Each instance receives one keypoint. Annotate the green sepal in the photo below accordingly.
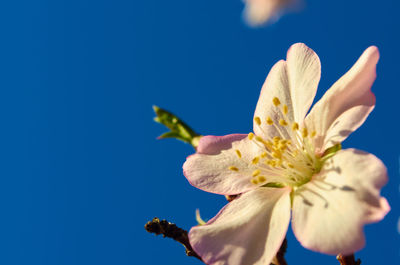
(273, 185)
(199, 220)
(178, 129)
(331, 151)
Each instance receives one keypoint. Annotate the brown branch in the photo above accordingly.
(170, 230)
(279, 259)
(348, 260)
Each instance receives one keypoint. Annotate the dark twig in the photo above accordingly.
(280, 256)
(170, 230)
(230, 198)
(348, 260)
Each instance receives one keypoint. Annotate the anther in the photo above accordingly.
(238, 153)
(257, 120)
(255, 160)
(313, 134)
(259, 139)
(276, 138)
(305, 132)
(264, 155)
(295, 126)
(269, 121)
(276, 154)
(251, 136)
(254, 181)
(282, 122)
(256, 172)
(261, 179)
(285, 109)
(233, 168)
(276, 101)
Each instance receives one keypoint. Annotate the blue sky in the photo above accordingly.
(81, 169)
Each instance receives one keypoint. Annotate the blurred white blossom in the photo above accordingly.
(258, 12)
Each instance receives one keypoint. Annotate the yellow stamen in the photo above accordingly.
(256, 172)
(255, 160)
(257, 120)
(305, 132)
(238, 153)
(259, 139)
(295, 126)
(261, 179)
(269, 121)
(268, 145)
(276, 154)
(282, 122)
(276, 139)
(264, 155)
(233, 168)
(285, 109)
(251, 136)
(313, 134)
(282, 147)
(254, 181)
(276, 101)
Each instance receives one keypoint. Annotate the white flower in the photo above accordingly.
(292, 165)
(258, 12)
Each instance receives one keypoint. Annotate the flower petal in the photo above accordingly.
(258, 12)
(347, 104)
(294, 83)
(330, 211)
(249, 230)
(209, 169)
(212, 145)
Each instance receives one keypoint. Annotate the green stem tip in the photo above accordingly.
(178, 129)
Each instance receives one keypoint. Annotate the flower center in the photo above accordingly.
(288, 158)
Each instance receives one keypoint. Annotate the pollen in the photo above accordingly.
(238, 153)
(255, 160)
(261, 179)
(282, 122)
(276, 139)
(256, 172)
(305, 132)
(285, 109)
(276, 101)
(271, 163)
(257, 120)
(313, 134)
(233, 168)
(276, 154)
(254, 181)
(251, 136)
(264, 155)
(269, 121)
(295, 126)
(259, 139)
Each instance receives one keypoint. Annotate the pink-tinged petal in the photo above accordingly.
(209, 169)
(211, 145)
(347, 104)
(294, 82)
(330, 211)
(249, 230)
